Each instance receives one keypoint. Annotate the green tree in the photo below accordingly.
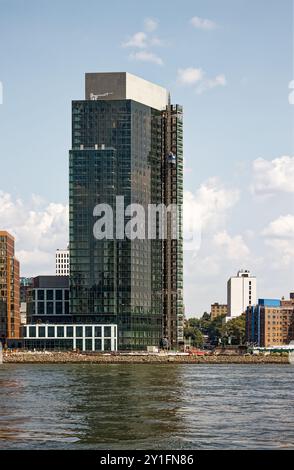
(235, 329)
(208, 327)
(195, 336)
(214, 329)
(194, 322)
(205, 316)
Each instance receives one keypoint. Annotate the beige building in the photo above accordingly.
(270, 323)
(278, 326)
(218, 310)
(9, 289)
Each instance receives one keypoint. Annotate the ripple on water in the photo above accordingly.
(139, 407)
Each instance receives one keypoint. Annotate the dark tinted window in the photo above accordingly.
(107, 331)
(40, 294)
(79, 331)
(107, 345)
(97, 344)
(41, 309)
(88, 345)
(58, 308)
(58, 294)
(50, 308)
(49, 294)
(32, 331)
(69, 331)
(51, 331)
(41, 331)
(98, 331)
(88, 331)
(60, 331)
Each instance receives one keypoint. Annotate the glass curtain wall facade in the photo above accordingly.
(122, 147)
(116, 151)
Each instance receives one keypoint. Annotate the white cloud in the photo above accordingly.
(270, 176)
(281, 253)
(39, 229)
(145, 56)
(190, 75)
(282, 227)
(145, 41)
(36, 262)
(209, 83)
(207, 267)
(219, 254)
(279, 238)
(211, 200)
(229, 240)
(137, 40)
(205, 209)
(234, 247)
(203, 23)
(151, 24)
(196, 76)
(155, 42)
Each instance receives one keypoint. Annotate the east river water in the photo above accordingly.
(146, 406)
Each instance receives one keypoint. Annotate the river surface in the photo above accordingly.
(146, 406)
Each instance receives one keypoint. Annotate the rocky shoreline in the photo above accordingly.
(76, 358)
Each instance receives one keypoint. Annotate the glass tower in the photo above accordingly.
(120, 148)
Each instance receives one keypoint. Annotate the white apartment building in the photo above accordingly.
(241, 293)
(62, 262)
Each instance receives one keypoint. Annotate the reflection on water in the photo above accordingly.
(146, 406)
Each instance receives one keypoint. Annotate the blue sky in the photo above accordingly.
(230, 67)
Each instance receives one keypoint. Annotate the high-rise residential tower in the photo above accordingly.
(126, 149)
(241, 291)
(9, 289)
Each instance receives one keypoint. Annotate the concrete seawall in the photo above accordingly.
(75, 358)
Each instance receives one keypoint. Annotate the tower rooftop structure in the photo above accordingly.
(110, 86)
